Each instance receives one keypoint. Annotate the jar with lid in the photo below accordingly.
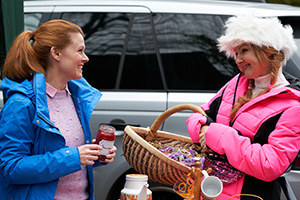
(105, 138)
(136, 188)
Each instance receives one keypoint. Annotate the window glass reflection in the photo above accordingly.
(141, 70)
(32, 21)
(104, 40)
(187, 44)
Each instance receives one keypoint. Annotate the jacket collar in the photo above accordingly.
(39, 88)
(35, 89)
(292, 91)
(10, 87)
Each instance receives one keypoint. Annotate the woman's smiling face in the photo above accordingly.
(73, 58)
(248, 63)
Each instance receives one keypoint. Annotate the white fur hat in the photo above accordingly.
(258, 31)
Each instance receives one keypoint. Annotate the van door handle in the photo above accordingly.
(120, 125)
(120, 128)
(119, 133)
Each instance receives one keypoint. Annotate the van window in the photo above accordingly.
(122, 55)
(292, 65)
(121, 50)
(294, 22)
(130, 51)
(187, 45)
(141, 69)
(104, 38)
(34, 20)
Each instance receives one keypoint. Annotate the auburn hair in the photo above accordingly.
(30, 50)
(263, 54)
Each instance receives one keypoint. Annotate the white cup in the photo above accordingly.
(211, 187)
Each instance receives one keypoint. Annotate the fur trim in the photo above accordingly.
(258, 31)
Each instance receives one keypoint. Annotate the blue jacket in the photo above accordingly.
(33, 154)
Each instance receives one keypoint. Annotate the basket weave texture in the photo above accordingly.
(147, 159)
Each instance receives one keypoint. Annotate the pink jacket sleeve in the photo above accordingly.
(193, 126)
(195, 120)
(266, 162)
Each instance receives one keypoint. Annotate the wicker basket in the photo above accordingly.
(146, 159)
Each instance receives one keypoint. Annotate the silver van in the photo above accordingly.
(147, 56)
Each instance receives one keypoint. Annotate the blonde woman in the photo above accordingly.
(253, 125)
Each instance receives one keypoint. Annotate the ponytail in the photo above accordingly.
(21, 59)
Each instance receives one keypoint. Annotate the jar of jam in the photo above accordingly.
(105, 138)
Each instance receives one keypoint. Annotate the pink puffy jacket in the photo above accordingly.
(263, 139)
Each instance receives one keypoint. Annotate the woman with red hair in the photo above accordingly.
(46, 148)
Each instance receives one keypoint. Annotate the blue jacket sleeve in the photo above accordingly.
(20, 161)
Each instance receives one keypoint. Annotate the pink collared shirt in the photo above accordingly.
(64, 116)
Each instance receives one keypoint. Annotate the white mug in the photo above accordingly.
(211, 187)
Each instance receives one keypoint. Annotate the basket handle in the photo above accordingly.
(160, 119)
